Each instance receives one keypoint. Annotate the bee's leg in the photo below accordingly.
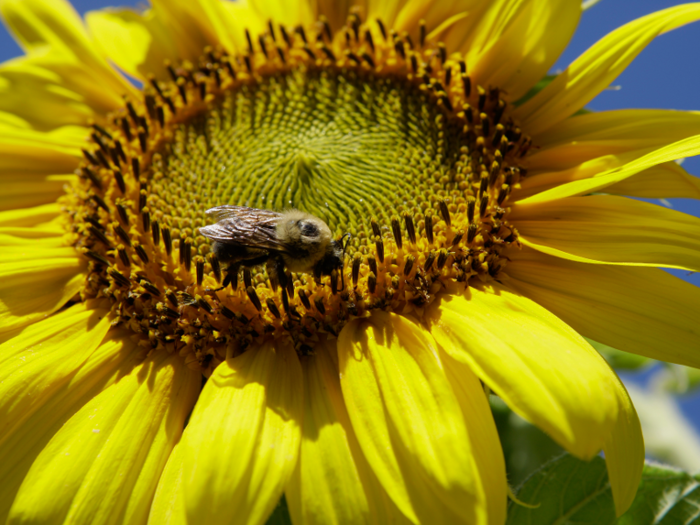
(275, 271)
(231, 278)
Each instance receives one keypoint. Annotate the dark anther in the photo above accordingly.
(120, 150)
(446, 101)
(328, 53)
(150, 107)
(471, 204)
(273, 308)
(352, 56)
(173, 75)
(471, 233)
(285, 36)
(247, 277)
(445, 212)
(429, 261)
(300, 31)
(285, 305)
(304, 299)
(429, 228)
(369, 40)
(186, 253)
(462, 67)
(482, 98)
(484, 183)
(90, 157)
(410, 228)
(217, 77)
(100, 202)
(368, 59)
(379, 244)
(458, 238)
(102, 159)
(495, 172)
(308, 51)
(442, 258)
(253, 296)
(505, 190)
(467, 82)
(231, 278)
(204, 305)
(102, 131)
(124, 257)
(248, 64)
(202, 90)
(182, 90)
(136, 167)
(250, 41)
(371, 282)
(121, 232)
(414, 63)
(375, 228)
(97, 257)
(421, 39)
(199, 269)
(498, 135)
(482, 205)
(132, 113)
(94, 222)
(167, 241)
(327, 29)
(172, 298)
(356, 269)
(99, 235)
(215, 267)
(468, 113)
(155, 232)
(381, 28)
(399, 47)
(146, 220)
(334, 282)
(118, 277)
(409, 265)
(142, 140)
(408, 40)
(229, 68)
(485, 124)
(96, 138)
(290, 283)
(396, 230)
(226, 312)
(272, 30)
(94, 179)
(448, 76)
(442, 51)
(261, 41)
(438, 87)
(169, 312)
(318, 302)
(280, 53)
(123, 215)
(498, 111)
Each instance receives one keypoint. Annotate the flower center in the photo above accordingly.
(383, 140)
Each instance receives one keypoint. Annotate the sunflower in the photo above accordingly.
(491, 229)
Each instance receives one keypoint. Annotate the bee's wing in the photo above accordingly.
(244, 227)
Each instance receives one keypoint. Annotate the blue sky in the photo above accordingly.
(665, 75)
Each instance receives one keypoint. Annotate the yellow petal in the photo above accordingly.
(528, 47)
(641, 310)
(47, 236)
(435, 15)
(35, 281)
(408, 421)
(20, 445)
(168, 506)
(583, 137)
(288, 12)
(40, 361)
(138, 43)
(665, 181)
(611, 230)
(526, 355)
(483, 435)
(61, 59)
(333, 484)
(110, 455)
(598, 67)
(624, 453)
(26, 217)
(242, 441)
(683, 148)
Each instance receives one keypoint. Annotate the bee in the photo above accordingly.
(248, 237)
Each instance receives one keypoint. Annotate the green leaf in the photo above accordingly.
(566, 490)
(280, 516)
(680, 379)
(570, 491)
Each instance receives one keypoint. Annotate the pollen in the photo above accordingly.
(384, 140)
